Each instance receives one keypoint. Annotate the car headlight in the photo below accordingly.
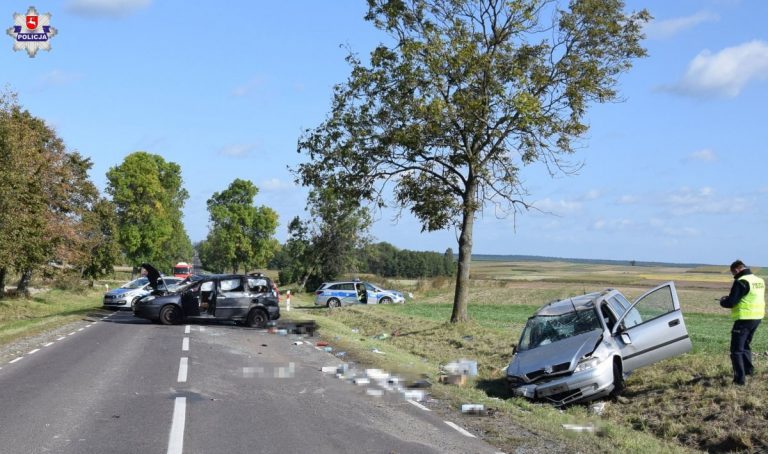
(587, 363)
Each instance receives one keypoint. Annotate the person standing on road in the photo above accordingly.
(747, 304)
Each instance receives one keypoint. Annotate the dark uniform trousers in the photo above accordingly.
(741, 354)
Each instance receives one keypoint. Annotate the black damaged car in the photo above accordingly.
(244, 299)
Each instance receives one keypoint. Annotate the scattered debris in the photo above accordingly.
(420, 384)
(374, 392)
(361, 381)
(340, 354)
(597, 408)
(474, 409)
(376, 374)
(298, 343)
(321, 343)
(454, 379)
(376, 350)
(414, 394)
(461, 367)
(578, 428)
(328, 349)
(468, 338)
(329, 369)
(355, 330)
(282, 332)
(381, 336)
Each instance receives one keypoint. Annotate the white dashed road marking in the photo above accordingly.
(72, 333)
(187, 329)
(81, 329)
(33, 351)
(176, 438)
(418, 405)
(183, 370)
(459, 429)
(185, 345)
(61, 338)
(49, 344)
(14, 360)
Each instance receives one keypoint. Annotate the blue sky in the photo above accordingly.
(676, 172)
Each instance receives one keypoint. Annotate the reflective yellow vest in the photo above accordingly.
(752, 305)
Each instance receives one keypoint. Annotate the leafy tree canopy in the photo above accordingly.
(469, 93)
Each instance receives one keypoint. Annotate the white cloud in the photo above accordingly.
(275, 184)
(628, 200)
(688, 201)
(685, 232)
(724, 73)
(558, 206)
(660, 29)
(58, 78)
(237, 150)
(593, 194)
(706, 155)
(612, 224)
(107, 8)
(248, 87)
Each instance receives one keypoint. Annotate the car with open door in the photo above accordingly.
(582, 348)
(244, 299)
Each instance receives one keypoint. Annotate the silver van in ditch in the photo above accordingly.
(583, 348)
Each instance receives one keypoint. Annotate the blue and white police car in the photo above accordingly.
(342, 293)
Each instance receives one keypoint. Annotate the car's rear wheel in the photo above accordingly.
(257, 318)
(385, 300)
(334, 302)
(618, 379)
(170, 315)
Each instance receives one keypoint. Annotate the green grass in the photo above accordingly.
(28, 316)
(682, 403)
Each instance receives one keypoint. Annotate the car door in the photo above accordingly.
(349, 293)
(231, 298)
(374, 294)
(652, 329)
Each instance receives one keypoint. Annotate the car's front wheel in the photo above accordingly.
(133, 302)
(334, 302)
(170, 315)
(385, 300)
(257, 318)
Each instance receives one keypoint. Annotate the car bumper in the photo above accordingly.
(273, 312)
(586, 385)
(121, 303)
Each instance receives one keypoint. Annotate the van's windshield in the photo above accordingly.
(546, 329)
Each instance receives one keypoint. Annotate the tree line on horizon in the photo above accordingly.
(53, 219)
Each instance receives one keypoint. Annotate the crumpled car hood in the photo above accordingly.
(568, 350)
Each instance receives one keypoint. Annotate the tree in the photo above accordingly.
(100, 233)
(468, 94)
(149, 195)
(241, 235)
(44, 194)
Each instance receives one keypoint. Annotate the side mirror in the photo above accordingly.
(625, 338)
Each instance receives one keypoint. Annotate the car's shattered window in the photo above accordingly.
(546, 329)
(138, 283)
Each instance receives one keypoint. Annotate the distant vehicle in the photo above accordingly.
(182, 270)
(582, 348)
(342, 293)
(125, 296)
(244, 299)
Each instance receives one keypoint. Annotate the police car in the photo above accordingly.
(342, 293)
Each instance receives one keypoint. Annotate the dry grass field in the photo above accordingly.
(686, 403)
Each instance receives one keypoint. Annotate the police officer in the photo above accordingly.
(747, 304)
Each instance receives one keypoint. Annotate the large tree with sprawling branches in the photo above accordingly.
(468, 92)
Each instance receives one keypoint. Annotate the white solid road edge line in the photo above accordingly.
(418, 405)
(459, 429)
(183, 370)
(176, 438)
(185, 344)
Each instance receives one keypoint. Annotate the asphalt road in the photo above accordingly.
(123, 385)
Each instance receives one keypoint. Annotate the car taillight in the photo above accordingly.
(318, 292)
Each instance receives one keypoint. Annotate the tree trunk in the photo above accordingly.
(3, 273)
(23, 287)
(465, 257)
